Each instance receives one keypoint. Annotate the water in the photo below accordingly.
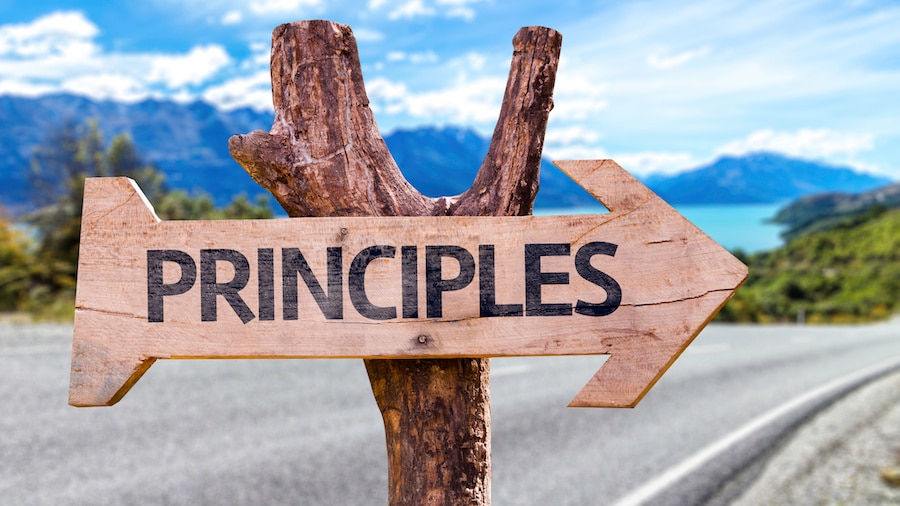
(732, 226)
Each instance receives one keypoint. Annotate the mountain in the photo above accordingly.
(759, 178)
(189, 143)
(445, 160)
(455, 153)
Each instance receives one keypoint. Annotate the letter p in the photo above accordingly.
(157, 289)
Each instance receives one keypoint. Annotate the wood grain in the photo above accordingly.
(151, 290)
(672, 279)
(325, 157)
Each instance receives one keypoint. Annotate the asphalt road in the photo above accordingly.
(309, 432)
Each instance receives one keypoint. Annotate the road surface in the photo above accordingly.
(309, 432)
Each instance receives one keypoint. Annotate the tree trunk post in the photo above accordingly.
(324, 156)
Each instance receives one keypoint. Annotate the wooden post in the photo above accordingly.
(324, 156)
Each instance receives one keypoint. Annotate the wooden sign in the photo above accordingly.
(637, 284)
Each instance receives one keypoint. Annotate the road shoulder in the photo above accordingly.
(836, 457)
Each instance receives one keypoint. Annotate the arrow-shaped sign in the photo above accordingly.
(637, 284)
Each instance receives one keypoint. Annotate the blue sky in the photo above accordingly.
(658, 86)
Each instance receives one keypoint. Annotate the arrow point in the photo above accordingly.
(620, 383)
(98, 377)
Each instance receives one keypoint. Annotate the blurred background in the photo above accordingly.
(771, 125)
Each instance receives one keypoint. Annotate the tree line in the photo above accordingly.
(838, 271)
(39, 251)
(834, 270)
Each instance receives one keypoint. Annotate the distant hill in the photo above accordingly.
(444, 161)
(840, 263)
(189, 142)
(759, 178)
(456, 152)
(826, 211)
(832, 275)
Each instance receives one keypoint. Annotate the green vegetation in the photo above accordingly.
(836, 271)
(39, 256)
(828, 211)
(841, 262)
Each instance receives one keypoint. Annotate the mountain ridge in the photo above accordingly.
(757, 178)
(189, 143)
(825, 211)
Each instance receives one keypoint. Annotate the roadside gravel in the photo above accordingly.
(836, 458)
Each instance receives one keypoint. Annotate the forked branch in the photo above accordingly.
(325, 157)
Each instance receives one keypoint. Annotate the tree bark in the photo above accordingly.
(324, 156)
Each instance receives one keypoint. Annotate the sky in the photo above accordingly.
(659, 86)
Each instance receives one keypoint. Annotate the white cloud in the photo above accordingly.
(576, 98)
(423, 57)
(106, 87)
(58, 53)
(386, 90)
(61, 33)
(804, 143)
(467, 101)
(195, 67)
(260, 57)
(578, 142)
(281, 6)
(667, 62)
(367, 35)
(459, 8)
(25, 89)
(232, 17)
(656, 163)
(575, 152)
(253, 91)
(409, 9)
(567, 136)
(417, 58)
(475, 61)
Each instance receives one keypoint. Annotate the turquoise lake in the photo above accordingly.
(732, 226)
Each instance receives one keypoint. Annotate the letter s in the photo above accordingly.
(599, 278)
